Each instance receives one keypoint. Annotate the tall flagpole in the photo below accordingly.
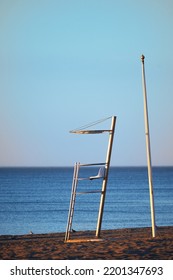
(147, 134)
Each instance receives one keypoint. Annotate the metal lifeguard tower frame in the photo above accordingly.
(102, 174)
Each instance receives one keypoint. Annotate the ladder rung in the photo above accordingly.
(92, 164)
(94, 191)
(81, 179)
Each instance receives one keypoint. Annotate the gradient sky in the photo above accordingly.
(67, 63)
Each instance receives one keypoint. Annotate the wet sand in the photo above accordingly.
(120, 244)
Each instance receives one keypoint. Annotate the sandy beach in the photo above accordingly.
(121, 244)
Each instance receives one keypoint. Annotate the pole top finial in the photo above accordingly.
(142, 58)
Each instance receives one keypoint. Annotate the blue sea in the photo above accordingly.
(37, 199)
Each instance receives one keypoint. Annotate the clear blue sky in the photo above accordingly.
(67, 63)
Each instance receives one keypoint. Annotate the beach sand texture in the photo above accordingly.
(120, 244)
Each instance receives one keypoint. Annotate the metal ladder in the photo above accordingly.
(74, 192)
(72, 201)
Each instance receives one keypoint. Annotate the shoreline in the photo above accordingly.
(120, 244)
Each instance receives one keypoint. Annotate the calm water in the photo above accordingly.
(37, 199)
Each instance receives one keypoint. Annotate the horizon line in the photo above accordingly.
(71, 166)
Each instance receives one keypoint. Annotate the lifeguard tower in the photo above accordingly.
(102, 176)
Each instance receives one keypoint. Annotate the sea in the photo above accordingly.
(37, 199)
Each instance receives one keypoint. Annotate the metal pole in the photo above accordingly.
(147, 134)
(104, 184)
